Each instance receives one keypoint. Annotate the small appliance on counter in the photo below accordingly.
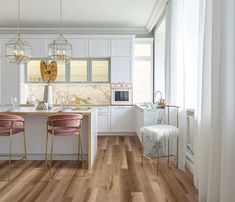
(121, 94)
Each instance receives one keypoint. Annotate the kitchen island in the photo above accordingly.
(35, 128)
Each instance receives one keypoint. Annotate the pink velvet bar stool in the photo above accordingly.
(11, 125)
(64, 125)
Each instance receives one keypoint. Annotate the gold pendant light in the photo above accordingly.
(17, 50)
(60, 50)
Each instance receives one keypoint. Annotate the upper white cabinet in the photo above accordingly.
(121, 47)
(121, 69)
(99, 48)
(80, 47)
(46, 45)
(37, 47)
(122, 119)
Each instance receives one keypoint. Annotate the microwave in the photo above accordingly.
(121, 94)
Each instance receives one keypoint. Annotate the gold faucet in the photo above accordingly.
(161, 101)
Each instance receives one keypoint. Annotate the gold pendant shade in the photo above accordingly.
(17, 50)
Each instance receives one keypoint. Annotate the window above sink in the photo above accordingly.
(77, 71)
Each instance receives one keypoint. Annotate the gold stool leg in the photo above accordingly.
(78, 149)
(157, 158)
(46, 147)
(25, 149)
(177, 152)
(10, 145)
(52, 143)
(168, 146)
(83, 166)
(142, 147)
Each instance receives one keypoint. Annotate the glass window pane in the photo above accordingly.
(33, 71)
(100, 70)
(143, 50)
(78, 71)
(142, 85)
(60, 72)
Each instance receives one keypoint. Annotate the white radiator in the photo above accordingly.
(190, 140)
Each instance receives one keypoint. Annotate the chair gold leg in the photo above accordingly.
(168, 146)
(78, 149)
(10, 146)
(83, 166)
(25, 149)
(52, 143)
(177, 152)
(142, 147)
(46, 147)
(157, 158)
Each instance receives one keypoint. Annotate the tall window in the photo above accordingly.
(77, 71)
(143, 71)
(159, 57)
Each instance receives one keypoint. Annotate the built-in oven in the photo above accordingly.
(121, 94)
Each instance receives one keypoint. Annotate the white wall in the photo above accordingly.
(10, 76)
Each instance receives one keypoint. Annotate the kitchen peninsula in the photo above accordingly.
(35, 126)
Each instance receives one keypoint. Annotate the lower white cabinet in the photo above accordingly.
(103, 119)
(103, 122)
(121, 119)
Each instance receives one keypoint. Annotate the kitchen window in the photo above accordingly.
(77, 71)
(33, 73)
(143, 71)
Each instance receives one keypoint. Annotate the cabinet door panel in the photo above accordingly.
(122, 47)
(121, 119)
(103, 122)
(121, 71)
(37, 47)
(80, 47)
(99, 48)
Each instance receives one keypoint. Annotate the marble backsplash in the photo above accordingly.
(94, 94)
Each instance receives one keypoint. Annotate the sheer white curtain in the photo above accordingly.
(215, 114)
(181, 60)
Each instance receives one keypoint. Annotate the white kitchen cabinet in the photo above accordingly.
(99, 48)
(121, 69)
(121, 47)
(103, 122)
(37, 47)
(46, 43)
(103, 119)
(121, 119)
(80, 47)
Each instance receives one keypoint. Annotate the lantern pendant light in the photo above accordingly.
(60, 50)
(17, 50)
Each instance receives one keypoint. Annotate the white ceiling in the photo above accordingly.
(77, 13)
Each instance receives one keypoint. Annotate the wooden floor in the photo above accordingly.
(118, 176)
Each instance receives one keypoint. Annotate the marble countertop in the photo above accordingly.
(33, 111)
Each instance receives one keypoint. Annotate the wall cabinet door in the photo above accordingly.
(121, 47)
(37, 47)
(121, 69)
(103, 122)
(80, 47)
(121, 119)
(99, 48)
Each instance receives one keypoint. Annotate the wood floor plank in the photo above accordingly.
(118, 176)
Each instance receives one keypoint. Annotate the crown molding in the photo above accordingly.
(156, 15)
(90, 31)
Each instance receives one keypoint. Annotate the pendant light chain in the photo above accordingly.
(18, 22)
(60, 50)
(61, 19)
(17, 50)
